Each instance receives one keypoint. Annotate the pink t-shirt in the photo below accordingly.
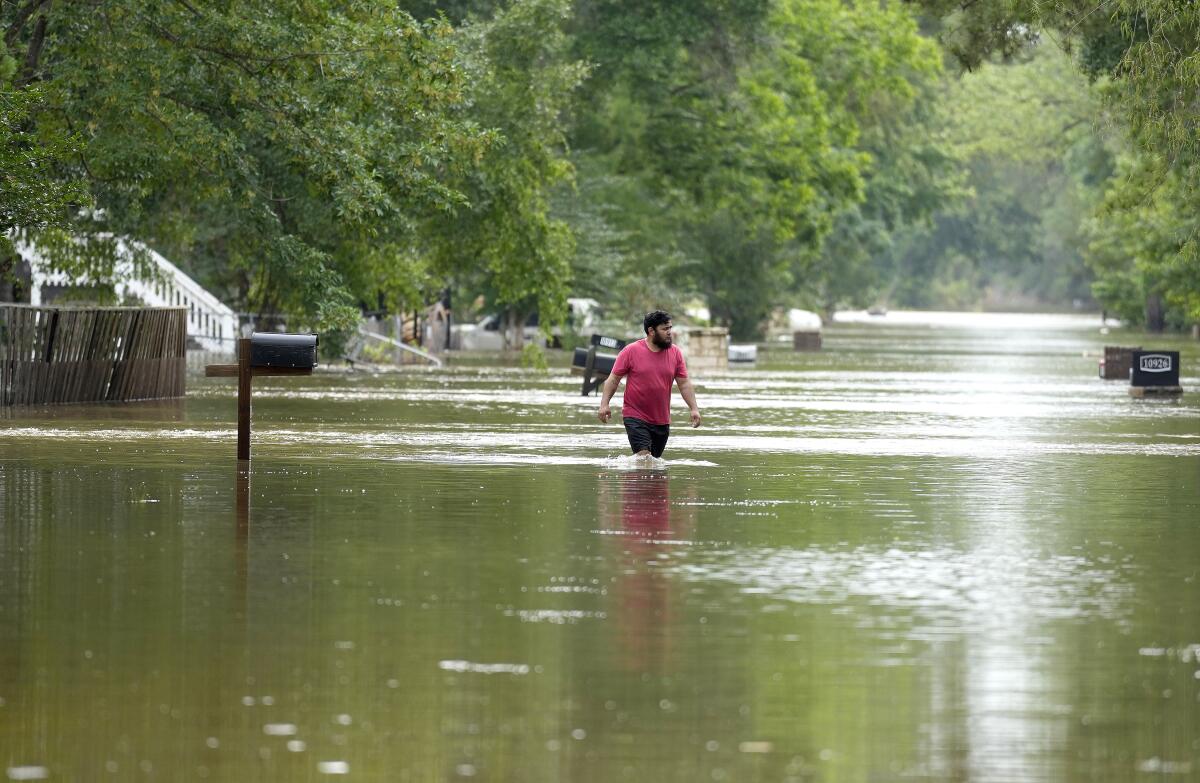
(648, 387)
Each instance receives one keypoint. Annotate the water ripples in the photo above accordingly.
(941, 590)
(594, 445)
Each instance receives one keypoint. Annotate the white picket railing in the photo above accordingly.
(210, 323)
(383, 338)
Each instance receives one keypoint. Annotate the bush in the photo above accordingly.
(533, 356)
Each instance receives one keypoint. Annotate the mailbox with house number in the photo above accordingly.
(602, 365)
(1154, 373)
(1155, 368)
(594, 366)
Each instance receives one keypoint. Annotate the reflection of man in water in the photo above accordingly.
(652, 365)
(642, 608)
(645, 504)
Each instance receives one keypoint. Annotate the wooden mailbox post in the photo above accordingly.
(264, 354)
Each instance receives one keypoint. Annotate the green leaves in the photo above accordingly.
(732, 140)
(37, 190)
(1022, 153)
(265, 146)
(1142, 247)
(506, 242)
(1145, 55)
(311, 158)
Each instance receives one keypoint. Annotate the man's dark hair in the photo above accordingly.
(656, 318)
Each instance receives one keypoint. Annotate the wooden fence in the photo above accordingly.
(91, 354)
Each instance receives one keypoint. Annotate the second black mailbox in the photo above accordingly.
(602, 366)
(271, 349)
(1155, 368)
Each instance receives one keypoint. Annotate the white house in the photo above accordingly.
(210, 323)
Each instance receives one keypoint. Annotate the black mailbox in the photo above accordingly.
(602, 365)
(271, 349)
(613, 343)
(1155, 368)
(593, 365)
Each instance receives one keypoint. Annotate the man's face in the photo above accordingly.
(661, 335)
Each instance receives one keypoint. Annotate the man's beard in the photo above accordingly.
(661, 342)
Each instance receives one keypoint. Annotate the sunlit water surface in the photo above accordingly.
(941, 549)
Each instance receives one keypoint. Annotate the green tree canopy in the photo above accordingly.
(1032, 155)
(506, 243)
(1146, 55)
(740, 138)
(282, 150)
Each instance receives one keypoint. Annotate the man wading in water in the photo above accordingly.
(651, 364)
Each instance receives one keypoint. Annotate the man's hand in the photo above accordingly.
(606, 392)
(689, 396)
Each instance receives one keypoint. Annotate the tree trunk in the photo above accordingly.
(34, 53)
(15, 280)
(514, 335)
(1155, 316)
(7, 292)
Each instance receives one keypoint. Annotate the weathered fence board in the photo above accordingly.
(91, 354)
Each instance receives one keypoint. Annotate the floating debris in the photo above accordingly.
(755, 747)
(483, 668)
(1156, 764)
(554, 616)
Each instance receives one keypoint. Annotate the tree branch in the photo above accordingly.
(242, 59)
(19, 20)
(231, 57)
(80, 154)
(29, 70)
(188, 6)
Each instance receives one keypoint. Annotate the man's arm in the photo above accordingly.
(610, 388)
(689, 396)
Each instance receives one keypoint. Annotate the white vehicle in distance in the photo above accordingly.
(487, 334)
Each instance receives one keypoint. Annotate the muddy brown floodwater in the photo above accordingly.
(941, 549)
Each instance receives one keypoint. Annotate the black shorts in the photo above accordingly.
(644, 436)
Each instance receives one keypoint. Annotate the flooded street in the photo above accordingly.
(940, 549)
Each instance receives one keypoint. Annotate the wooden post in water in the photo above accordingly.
(589, 367)
(242, 502)
(244, 390)
(281, 354)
